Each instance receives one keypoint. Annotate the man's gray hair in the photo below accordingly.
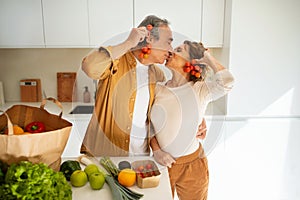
(156, 22)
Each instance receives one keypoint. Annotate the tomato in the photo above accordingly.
(197, 75)
(187, 69)
(197, 68)
(146, 56)
(149, 27)
(145, 49)
(141, 55)
(149, 166)
(141, 168)
(187, 64)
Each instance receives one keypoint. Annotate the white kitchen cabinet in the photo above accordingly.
(66, 23)
(109, 19)
(90, 23)
(21, 24)
(200, 20)
(184, 16)
(213, 22)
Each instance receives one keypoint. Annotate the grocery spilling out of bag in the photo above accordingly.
(33, 134)
(32, 141)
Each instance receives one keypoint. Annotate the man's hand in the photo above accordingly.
(137, 35)
(202, 129)
(163, 158)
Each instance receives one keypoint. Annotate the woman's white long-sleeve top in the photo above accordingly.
(178, 111)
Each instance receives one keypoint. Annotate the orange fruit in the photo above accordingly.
(17, 130)
(127, 177)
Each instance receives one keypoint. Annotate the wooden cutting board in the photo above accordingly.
(66, 86)
(30, 90)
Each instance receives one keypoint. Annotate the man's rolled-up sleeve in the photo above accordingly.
(97, 64)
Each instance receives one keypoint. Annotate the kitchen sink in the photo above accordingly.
(83, 109)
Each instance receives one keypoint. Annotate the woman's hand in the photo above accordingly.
(202, 129)
(209, 60)
(163, 158)
(206, 59)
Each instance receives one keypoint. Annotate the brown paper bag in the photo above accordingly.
(46, 147)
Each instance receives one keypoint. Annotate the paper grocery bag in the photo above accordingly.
(46, 147)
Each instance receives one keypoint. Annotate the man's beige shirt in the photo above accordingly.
(108, 132)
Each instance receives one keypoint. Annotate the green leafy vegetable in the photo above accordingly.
(34, 181)
(3, 170)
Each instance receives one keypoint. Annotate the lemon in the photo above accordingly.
(96, 180)
(78, 178)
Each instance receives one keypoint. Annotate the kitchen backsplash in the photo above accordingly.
(43, 64)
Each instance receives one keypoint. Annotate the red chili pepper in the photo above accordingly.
(35, 127)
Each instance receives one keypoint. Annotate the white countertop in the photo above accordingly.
(162, 191)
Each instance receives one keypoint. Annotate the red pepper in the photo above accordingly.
(35, 127)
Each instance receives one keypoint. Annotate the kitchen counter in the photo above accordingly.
(162, 191)
(80, 121)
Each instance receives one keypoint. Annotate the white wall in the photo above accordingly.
(264, 57)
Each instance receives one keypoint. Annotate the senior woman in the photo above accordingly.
(179, 108)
